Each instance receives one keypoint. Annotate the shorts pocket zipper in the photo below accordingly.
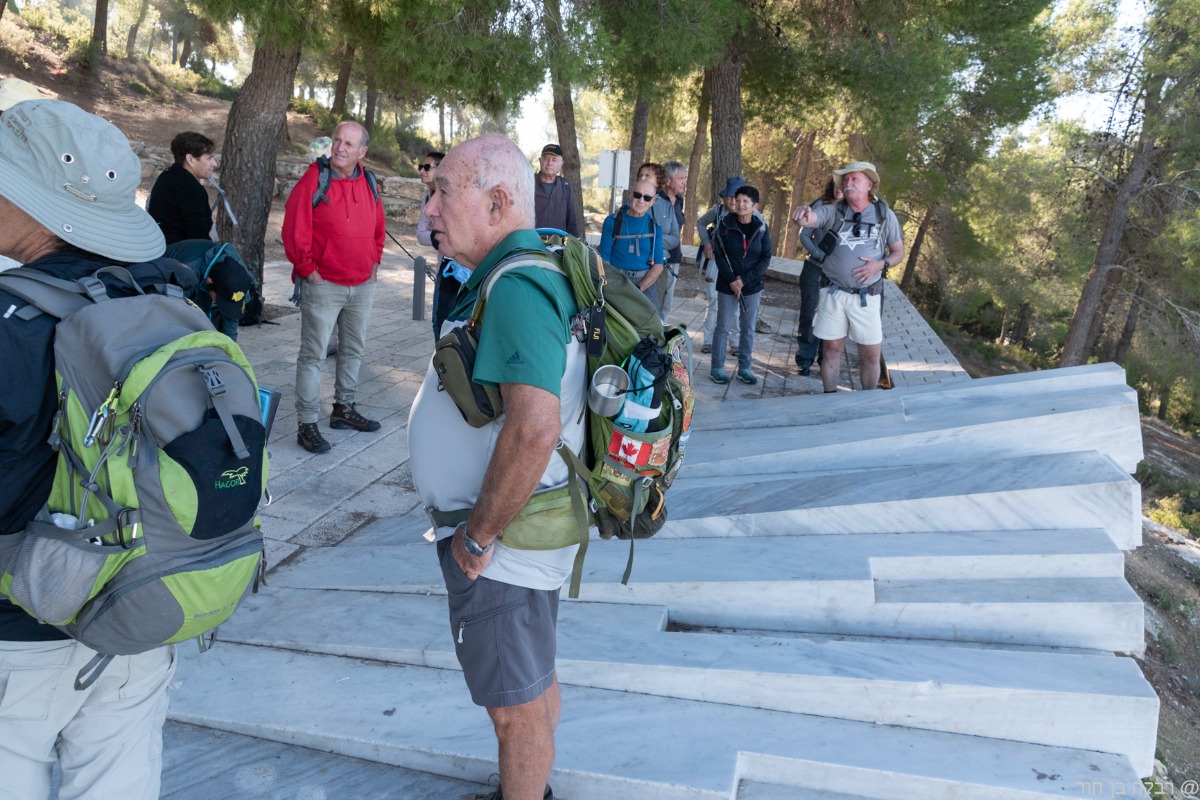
(462, 625)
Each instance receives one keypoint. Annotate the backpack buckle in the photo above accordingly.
(212, 379)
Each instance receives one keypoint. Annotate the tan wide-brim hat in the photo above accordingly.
(865, 167)
(15, 90)
(76, 175)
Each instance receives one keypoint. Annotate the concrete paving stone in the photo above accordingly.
(332, 527)
(280, 528)
(276, 550)
(319, 497)
(385, 453)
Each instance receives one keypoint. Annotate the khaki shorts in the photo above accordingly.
(842, 314)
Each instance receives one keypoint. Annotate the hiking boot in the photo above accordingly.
(805, 368)
(744, 376)
(706, 349)
(310, 438)
(719, 376)
(344, 417)
(762, 326)
(733, 349)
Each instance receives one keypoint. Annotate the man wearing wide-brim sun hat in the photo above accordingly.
(67, 209)
(869, 241)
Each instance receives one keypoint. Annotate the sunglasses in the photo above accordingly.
(427, 167)
(857, 221)
(649, 198)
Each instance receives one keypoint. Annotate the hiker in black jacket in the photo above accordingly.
(742, 247)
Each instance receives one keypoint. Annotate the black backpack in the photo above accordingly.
(325, 174)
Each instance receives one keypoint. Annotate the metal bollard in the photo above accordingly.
(419, 287)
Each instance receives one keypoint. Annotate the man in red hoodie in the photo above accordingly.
(335, 247)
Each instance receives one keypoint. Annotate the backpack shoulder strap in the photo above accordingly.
(49, 295)
(372, 182)
(617, 222)
(323, 175)
(527, 258)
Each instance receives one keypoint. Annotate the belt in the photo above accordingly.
(447, 519)
(873, 290)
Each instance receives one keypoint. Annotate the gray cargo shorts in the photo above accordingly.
(504, 635)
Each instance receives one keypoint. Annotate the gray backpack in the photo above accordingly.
(149, 536)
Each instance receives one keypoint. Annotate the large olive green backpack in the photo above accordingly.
(149, 536)
(626, 473)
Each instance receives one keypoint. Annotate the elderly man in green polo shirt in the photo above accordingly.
(503, 599)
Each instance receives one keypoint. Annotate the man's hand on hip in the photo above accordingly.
(472, 566)
(314, 277)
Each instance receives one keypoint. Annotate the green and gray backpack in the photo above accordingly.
(149, 536)
(626, 471)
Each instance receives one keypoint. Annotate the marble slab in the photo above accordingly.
(1055, 490)
(820, 409)
(1009, 694)
(421, 718)
(929, 432)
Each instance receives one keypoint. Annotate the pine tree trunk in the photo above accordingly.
(1081, 331)
(345, 64)
(1164, 401)
(1020, 334)
(637, 138)
(564, 108)
(442, 125)
(1121, 351)
(773, 189)
(692, 198)
(727, 121)
(185, 52)
(798, 167)
(250, 147)
(99, 28)
(910, 264)
(372, 101)
(131, 39)
(3, 6)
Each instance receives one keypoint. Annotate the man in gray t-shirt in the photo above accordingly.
(867, 246)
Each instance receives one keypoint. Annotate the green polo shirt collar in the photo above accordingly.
(527, 240)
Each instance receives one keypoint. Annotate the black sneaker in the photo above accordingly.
(310, 438)
(344, 417)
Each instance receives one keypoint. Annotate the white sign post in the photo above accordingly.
(614, 173)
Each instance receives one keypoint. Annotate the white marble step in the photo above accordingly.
(1018, 695)
(1060, 490)
(819, 409)
(755, 790)
(817, 584)
(932, 429)
(609, 744)
(849, 556)
(207, 764)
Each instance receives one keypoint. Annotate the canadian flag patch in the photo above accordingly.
(631, 451)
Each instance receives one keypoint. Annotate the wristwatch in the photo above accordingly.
(473, 546)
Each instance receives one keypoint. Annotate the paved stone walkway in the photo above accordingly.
(318, 500)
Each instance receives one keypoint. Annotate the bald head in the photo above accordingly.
(483, 192)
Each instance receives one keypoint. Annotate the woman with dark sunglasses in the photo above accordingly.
(632, 242)
(450, 275)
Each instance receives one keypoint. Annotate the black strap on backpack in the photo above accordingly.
(325, 174)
